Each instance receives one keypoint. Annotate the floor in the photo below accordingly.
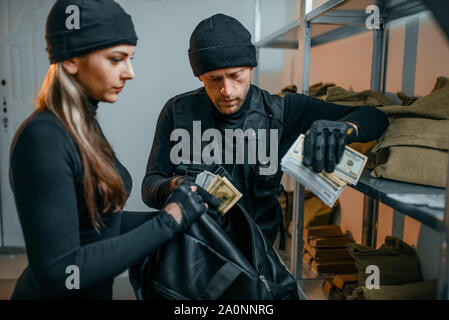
(12, 265)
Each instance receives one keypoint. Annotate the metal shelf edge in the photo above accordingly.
(428, 216)
(275, 36)
(325, 7)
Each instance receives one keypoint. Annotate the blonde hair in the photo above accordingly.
(64, 96)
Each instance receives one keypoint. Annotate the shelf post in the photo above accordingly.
(443, 279)
(378, 50)
(410, 55)
(370, 219)
(371, 206)
(376, 68)
(257, 33)
(297, 232)
(397, 229)
(298, 198)
(304, 40)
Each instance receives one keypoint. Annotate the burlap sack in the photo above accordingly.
(441, 83)
(413, 165)
(364, 98)
(415, 146)
(415, 132)
(315, 90)
(433, 106)
(425, 290)
(398, 262)
(406, 100)
(413, 150)
(319, 89)
(288, 89)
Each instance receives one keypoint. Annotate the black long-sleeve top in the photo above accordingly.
(300, 111)
(46, 176)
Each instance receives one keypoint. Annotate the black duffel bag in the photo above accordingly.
(208, 263)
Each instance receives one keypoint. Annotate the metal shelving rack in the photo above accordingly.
(335, 20)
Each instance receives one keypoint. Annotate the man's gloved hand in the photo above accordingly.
(208, 198)
(185, 204)
(212, 202)
(325, 143)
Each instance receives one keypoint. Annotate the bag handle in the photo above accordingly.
(220, 281)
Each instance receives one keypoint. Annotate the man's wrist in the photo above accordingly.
(174, 183)
(354, 127)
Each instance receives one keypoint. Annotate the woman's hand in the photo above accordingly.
(185, 205)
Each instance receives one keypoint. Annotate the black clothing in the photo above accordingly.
(220, 42)
(191, 203)
(102, 24)
(291, 116)
(324, 144)
(46, 175)
(231, 121)
(234, 120)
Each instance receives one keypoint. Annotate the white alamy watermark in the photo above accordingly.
(212, 152)
(373, 21)
(373, 280)
(73, 20)
(73, 280)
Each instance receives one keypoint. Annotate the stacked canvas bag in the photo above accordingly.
(415, 146)
(398, 269)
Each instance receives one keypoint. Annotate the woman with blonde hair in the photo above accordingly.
(69, 187)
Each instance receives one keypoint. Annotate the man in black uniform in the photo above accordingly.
(222, 56)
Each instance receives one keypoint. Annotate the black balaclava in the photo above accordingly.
(102, 24)
(220, 42)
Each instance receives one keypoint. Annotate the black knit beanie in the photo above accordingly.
(102, 24)
(220, 42)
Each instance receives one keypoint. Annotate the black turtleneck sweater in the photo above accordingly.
(46, 176)
(231, 121)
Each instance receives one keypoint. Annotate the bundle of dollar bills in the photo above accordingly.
(326, 186)
(219, 187)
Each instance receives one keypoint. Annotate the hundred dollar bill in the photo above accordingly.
(326, 186)
(351, 166)
(204, 179)
(223, 189)
(200, 179)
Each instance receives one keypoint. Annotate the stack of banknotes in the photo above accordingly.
(219, 187)
(326, 186)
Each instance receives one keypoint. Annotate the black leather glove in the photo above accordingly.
(212, 202)
(325, 143)
(191, 203)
